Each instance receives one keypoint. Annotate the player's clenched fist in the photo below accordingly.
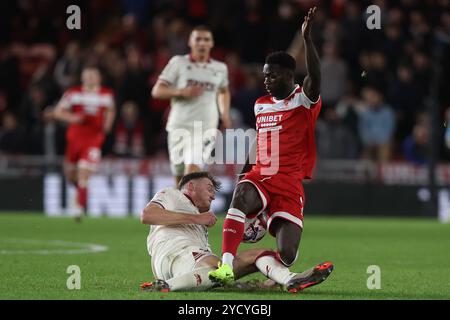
(206, 218)
(190, 92)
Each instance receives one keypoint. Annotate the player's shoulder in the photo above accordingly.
(74, 89)
(106, 90)
(218, 64)
(267, 99)
(169, 192)
(179, 59)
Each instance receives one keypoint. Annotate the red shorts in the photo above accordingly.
(86, 153)
(282, 196)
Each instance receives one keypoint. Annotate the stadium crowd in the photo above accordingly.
(374, 82)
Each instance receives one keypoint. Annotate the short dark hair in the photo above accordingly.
(199, 175)
(282, 59)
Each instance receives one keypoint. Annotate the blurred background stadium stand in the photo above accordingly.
(373, 136)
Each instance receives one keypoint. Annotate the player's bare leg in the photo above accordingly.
(288, 237)
(246, 200)
(83, 176)
(70, 172)
(71, 175)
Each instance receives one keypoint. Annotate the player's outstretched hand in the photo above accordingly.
(307, 22)
(206, 219)
(190, 92)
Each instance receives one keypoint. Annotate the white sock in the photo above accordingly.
(273, 269)
(194, 280)
(228, 259)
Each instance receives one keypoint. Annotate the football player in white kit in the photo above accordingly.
(197, 87)
(181, 257)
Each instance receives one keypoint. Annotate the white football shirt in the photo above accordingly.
(164, 239)
(182, 72)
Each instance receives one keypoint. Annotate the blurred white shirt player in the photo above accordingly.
(197, 87)
(181, 257)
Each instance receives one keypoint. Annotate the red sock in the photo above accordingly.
(233, 231)
(82, 196)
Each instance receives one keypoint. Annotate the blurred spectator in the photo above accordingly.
(68, 67)
(177, 37)
(334, 139)
(32, 115)
(12, 135)
(334, 75)
(252, 29)
(130, 34)
(244, 99)
(285, 26)
(129, 132)
(352, 34)
(376, 125)
(415, 146)
(347, 111)
(235, 72)
(374, 64)
(403, 94)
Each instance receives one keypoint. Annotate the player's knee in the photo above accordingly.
(245, 200)
(287, 256)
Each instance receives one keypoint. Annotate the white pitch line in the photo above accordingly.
(80, 248)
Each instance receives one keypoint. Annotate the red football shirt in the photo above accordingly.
(285, 135)
(92, 106)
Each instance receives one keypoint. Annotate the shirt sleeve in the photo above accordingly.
(165, 199)
(225, 81)
(170, 72)
(109, 100)
(307, 102)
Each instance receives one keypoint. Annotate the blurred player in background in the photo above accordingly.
(89, 110)
(286, 154)
(197, 87)
(179, 248)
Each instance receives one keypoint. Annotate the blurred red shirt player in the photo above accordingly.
(89, 110)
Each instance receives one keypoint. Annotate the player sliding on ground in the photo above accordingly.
(286, 154)
(181, 257)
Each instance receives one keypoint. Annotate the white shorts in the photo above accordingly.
(173, 265)
(190, 147)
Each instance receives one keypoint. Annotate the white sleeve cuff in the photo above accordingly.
(309, 100)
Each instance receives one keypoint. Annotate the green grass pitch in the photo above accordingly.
(413, 256)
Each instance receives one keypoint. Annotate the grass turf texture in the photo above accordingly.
(413, 255)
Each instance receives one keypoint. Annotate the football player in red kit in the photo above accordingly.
(285, 155)
(89, 110)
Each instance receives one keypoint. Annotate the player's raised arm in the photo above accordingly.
(311, 83)
(154, 214)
